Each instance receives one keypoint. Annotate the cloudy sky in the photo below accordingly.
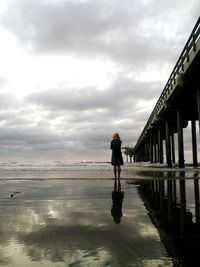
(73, 72)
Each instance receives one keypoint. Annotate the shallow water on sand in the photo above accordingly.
(72, 216)
(70, 223)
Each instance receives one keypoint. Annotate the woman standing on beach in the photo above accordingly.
(117, 159)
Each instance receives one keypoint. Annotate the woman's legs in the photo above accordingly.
(117, 171)
(117, 183)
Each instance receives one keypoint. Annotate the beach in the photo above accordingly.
(49, 218)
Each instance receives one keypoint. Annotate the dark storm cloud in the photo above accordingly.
(25, 135)
(120, 95)
(58, 26)
(75, 133)
(116, 29)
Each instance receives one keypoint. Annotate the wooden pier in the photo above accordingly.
(177, 106)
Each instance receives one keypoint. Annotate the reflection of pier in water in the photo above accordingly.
(174, 208)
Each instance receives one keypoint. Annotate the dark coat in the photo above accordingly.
(116, 158)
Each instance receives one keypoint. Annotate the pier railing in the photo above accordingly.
(173, 79)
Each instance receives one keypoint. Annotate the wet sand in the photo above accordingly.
(70, 223)
(75, 218)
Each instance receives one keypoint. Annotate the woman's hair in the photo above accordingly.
(116, 136)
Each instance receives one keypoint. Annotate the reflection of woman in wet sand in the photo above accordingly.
(117, 199)
(117, 159)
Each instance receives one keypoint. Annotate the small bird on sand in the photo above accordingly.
(14, 193)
